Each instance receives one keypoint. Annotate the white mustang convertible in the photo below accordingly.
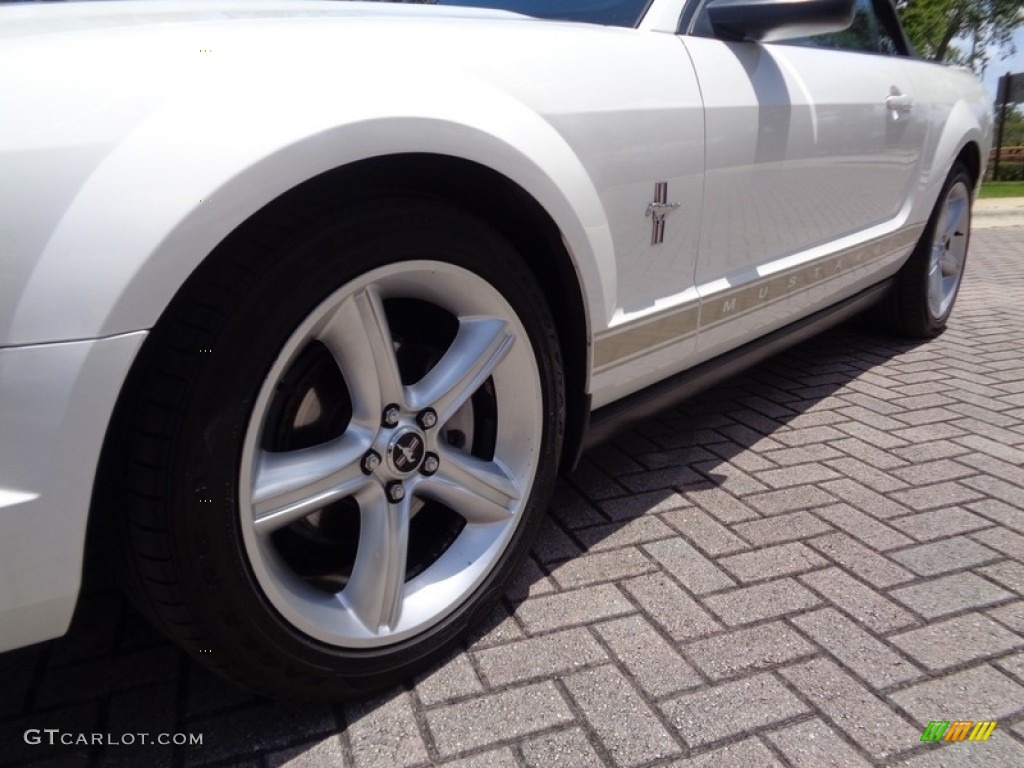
(308, 302)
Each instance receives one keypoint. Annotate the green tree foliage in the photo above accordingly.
(964, 32)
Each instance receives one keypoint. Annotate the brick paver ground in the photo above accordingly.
(801, 568)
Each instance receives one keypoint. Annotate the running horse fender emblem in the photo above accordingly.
(657, 211)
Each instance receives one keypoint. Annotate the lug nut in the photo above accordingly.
(370, 462)
(427, 418)
(390, 416)
(430, 464)
(395, 491)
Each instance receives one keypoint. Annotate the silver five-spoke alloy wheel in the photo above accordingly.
(416, 442)
(949, 249)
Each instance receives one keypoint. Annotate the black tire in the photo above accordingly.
(907, 311)
(187, 426)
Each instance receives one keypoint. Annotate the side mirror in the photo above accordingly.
(765, 21)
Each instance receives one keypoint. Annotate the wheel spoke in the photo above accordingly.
(481, 491)
(292, 484)
(956, 231)
(479, 346)
(955, 210)
(377, 584)
(359, 338)
(935, 283)
(950, 263)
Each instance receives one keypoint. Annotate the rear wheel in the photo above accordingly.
(927, 285)
(358, 462)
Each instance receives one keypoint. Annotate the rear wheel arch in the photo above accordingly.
(970, 156)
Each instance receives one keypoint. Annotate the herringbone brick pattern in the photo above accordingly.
(803, 567)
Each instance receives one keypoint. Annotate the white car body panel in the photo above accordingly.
(165, 125)
(57, 402)
(797, 164)
(952, 122)
(178, 100)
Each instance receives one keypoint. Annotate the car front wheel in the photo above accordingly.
(339, 479)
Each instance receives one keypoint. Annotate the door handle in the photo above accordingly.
(900, 103)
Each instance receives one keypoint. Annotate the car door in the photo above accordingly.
(812, 152)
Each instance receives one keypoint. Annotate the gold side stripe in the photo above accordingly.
(739, 301)
(646, 334)
(640, 337)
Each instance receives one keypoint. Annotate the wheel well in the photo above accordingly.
(493, 198)
(970, 156)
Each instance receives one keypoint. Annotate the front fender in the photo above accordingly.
(209, 157)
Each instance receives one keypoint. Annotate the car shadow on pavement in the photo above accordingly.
(112, 674)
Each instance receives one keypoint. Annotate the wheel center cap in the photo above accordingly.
(405, 453)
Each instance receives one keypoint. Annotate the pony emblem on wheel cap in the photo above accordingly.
(407, 452)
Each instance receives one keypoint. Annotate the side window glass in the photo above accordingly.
(866, 35)
(890, 41)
